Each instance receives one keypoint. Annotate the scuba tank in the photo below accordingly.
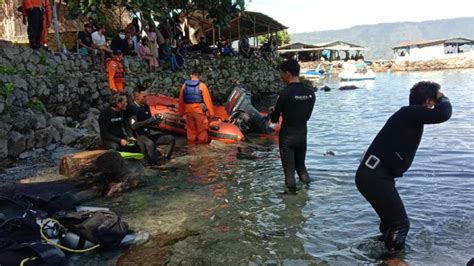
(72, 240)
(244, 115)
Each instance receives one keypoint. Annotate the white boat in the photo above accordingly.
(351, 76)
(313, 73)
(359, 71)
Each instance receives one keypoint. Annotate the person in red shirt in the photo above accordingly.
(115, 72)
(195, 101)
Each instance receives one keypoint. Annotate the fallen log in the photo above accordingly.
(77, 165)
(108, 167)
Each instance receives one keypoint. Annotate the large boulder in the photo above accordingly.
(16, 143)
(43, 137)
(70, 135)
(58, 122)
(91, 125)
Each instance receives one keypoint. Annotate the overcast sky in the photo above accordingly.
(317, 15)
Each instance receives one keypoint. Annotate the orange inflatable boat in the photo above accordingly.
(236, 117)
(219, 129)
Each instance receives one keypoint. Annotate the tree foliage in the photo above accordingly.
(282, 37)
(219, 11)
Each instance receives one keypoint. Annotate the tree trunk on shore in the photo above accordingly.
(109, 167)
(78, 164)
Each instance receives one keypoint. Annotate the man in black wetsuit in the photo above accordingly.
(114, 131)
(391, 154)
(295, 103)
(140, 118)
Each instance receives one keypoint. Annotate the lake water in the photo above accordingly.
(235, 204)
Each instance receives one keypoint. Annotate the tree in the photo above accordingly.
(220, 11)
(282, 37)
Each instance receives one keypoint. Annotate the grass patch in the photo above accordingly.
(7, 89)
(37, 105)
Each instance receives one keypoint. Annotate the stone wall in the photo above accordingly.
(48, 100)
(430, 65)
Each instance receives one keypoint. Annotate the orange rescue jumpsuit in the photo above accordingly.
(116, 75)
(46, 22)
(197, 123)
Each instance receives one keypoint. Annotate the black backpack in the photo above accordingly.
(99, 227)
(20, 239)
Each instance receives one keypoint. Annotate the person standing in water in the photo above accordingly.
(295, 103)
(195, 102)
(391, 154)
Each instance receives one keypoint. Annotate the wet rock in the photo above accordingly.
(2, 107)
(51, 147)
(43, 137)
(16, 143)
(348, 87)
(70, 135)
(4, 129)
(27, 154)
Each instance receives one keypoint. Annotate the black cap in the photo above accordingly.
(117, 52)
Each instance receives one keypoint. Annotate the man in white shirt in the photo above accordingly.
(98, 38)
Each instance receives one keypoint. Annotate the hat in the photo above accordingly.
(117, 52)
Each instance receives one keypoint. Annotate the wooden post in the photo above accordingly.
(56, 26)
(255, 41)
(213, 35)
(238, 27)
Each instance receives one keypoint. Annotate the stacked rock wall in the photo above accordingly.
(47, 100)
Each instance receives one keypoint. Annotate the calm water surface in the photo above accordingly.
(241, 218)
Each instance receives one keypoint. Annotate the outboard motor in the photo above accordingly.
(244, 115)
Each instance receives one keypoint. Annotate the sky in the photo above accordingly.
(318, 15)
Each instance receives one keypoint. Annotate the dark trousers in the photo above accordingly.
(293, 155)
(148, 145)
(378, 188)
(35, 26)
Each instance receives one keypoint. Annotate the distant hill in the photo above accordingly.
(379, 38)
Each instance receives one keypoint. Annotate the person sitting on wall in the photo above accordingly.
(115, 132)
(244, 47)
(147, 55)
(86, 46)
(140, 119)
(225, 47)
(98, 38)
(167, 54)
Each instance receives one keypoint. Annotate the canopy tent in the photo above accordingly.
(248, 23)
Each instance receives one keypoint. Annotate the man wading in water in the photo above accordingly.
(391, 154)
(295, 103)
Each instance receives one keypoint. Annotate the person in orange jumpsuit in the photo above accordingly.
(46, 22)
(38, 13)
(115, 72)
(195, 101)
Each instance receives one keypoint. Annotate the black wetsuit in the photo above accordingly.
(295, 103)
(113, 128)
(139, 117)
(395, 147)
